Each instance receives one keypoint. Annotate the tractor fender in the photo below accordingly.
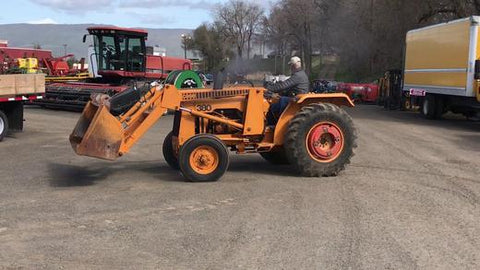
(339, 99)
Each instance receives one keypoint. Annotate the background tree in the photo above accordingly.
(294, 27)
(367, 37)
(238, 20)
(211, 45)
(370, 35)
(187, 43)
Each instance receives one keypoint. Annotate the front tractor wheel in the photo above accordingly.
(320, 140)
(203, 158)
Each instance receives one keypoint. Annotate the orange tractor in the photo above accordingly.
(314, 135)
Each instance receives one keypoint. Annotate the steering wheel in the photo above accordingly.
(109, 48)
(272, 97)
(243, 81)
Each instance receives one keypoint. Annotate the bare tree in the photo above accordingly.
(367, 35)
(211, 45)
(296, 24)
(274, 31)
(441, 10)
(255, 17)
(370, 34)
(238, 20)
(187, 43)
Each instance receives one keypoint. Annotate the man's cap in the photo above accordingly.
(294, 60)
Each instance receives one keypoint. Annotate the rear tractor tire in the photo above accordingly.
(320, 140)
(203, 158)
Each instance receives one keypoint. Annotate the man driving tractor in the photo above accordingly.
(297, 84)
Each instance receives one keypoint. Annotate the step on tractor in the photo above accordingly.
(313, 134)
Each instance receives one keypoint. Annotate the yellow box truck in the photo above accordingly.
(442, 67)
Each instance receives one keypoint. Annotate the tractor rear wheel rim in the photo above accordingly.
(325, 142)
(204, 159)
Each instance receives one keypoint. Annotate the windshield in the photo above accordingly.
(117, 52)
(135, 55)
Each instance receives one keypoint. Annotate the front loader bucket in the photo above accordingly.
(97, 133)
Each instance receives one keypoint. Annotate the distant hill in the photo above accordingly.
(53, 36)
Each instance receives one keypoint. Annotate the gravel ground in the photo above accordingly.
(410, 199)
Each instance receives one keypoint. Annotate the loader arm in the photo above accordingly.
(100, 134)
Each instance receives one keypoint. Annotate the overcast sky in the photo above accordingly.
(126, 13)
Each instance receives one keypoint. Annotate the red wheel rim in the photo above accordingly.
(325, 142)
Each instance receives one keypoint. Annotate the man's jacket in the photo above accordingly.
(297, 84)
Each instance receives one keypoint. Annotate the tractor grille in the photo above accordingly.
(212, 94)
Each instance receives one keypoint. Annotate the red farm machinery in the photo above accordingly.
(120, 61)
(15, 60)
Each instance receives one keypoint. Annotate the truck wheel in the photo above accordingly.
(439, 107)
(428, 107)
(407, 105)
(169, 153)
(3, 125)
(320, 140)
(203, 158)
(277, 157)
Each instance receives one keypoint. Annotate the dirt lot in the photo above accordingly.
(410, 199)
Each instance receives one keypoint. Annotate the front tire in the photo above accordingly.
(203, 158)
(3, 125)
(320, 140)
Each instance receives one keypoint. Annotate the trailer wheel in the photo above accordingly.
(169, 153)
(276, 157)
(429, 107)
(3, 125)
(203, 158)
(320, 140)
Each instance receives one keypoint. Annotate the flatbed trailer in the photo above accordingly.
(16, 89)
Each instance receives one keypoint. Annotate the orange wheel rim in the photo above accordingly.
(325, 142)
(204, 159)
